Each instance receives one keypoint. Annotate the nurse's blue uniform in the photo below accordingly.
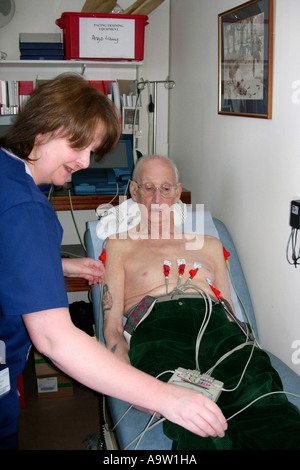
(31, 276)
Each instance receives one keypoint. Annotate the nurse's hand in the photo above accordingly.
(86, 268)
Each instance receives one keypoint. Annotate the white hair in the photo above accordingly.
(153, 157)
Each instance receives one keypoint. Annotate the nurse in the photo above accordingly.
(62, 123)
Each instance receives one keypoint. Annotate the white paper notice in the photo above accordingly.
(47, 384)
(106, 38)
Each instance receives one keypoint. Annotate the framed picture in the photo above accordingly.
(246, 60)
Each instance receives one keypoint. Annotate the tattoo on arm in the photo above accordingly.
(107, 301)
(113, 348)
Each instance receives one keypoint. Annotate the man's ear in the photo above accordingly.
(133, 190)
(179, 191)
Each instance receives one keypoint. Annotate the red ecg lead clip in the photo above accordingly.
(181, 266)
(194, 271)
(215, 291)
(226, 253)
(102, 257)
(167, 265)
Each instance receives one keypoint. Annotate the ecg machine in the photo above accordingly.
(110, 175)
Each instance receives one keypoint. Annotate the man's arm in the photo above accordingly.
(113, 300)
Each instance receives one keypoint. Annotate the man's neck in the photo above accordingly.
(152, 231)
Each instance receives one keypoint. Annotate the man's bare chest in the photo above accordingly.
(147, 264)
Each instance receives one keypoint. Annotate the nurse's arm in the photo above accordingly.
(87, 361)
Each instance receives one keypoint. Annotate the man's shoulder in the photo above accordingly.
(211, 239)
(119, 241)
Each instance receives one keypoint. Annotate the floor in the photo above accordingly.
(57, 423)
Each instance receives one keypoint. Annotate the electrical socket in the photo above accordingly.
(295, 214)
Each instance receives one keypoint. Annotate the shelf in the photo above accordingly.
(26, 69)
(71, 63)
(76, 284)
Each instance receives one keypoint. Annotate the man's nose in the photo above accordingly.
(157, 197)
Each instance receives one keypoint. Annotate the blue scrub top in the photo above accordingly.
(31, 276)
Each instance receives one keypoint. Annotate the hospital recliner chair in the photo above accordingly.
(135, 422)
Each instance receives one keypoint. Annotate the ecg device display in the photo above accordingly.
(109, 175)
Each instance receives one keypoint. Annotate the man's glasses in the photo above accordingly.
(166, 190)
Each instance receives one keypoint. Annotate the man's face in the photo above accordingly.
(157, 190)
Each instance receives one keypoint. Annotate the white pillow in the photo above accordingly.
(127, 215)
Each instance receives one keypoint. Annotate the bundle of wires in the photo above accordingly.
(292, 249)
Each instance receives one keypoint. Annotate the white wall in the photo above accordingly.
(246, 171)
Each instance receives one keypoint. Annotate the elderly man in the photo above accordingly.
(152, 276)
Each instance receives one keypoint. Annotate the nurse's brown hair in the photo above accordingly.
(70, 107)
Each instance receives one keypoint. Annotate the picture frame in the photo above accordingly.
(246, 60)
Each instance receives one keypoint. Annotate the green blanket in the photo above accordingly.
(166, 340)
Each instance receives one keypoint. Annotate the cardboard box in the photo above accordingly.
(51, 382)
(56, 386)
(43, 366)
(93, 36)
